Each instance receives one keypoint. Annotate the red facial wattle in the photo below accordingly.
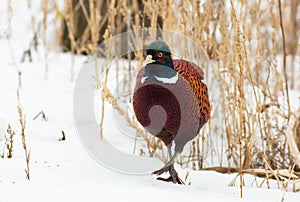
(160, 59)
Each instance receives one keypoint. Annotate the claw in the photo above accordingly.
(176, 180)
(173, 175)
(162, 170)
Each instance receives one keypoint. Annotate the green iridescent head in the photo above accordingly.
(159, 64)
(160, 53)
(158, 45)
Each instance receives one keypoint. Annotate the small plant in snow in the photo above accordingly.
(10, 141)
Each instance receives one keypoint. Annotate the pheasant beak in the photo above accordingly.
(148, 60)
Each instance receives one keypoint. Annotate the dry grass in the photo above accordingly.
(10, 141)
(244, 41)
(22, 120)
(248, 74)
(8, 146)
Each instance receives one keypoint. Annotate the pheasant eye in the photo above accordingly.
(160, 54)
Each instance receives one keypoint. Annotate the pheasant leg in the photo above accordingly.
(169, 167)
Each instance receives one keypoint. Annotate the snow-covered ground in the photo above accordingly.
(63, 170)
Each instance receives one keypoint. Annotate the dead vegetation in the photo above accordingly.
(22, 120)
(10, 141)
(253, 46)
(8, 146)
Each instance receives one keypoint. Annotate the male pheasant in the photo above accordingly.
(170, 101)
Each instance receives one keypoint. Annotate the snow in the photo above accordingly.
(64, 170)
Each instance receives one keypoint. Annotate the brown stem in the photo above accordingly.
(284, 59)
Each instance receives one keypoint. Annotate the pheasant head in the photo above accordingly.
(159, 63)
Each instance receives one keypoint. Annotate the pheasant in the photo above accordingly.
(170, 101)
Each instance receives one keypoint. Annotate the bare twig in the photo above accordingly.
(41, 113)
(6, 31)
(284, 59)
(32, 44)
(22, 120)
